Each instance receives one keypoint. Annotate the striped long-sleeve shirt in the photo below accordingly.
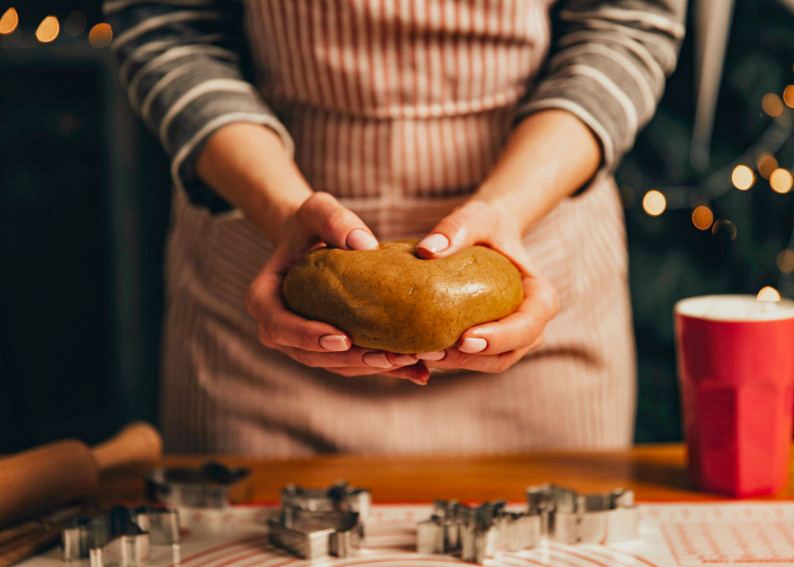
(187, 69)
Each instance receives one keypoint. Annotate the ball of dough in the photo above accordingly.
(390, 299)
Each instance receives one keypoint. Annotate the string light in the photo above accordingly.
(772, 104)
(100, 35)
(768, 294)
(654, 203)
(724, 225)
(48, 29)
(781, 180)
(785, 261)
(75, 23)
(702, 217)
(742, 177)
(9, 21)
(766, 165)
(788, 96)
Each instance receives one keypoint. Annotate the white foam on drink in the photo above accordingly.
(735, 308)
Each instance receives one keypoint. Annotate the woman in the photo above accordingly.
(370, 120)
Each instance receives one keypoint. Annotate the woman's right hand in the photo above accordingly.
(321, 219)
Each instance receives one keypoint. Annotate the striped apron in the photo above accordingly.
(399, 108)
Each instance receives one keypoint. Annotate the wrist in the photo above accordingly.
(248, 165)
(504, 202)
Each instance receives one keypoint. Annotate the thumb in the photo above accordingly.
(335, 224)
(473, 223)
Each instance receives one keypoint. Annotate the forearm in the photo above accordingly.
(548, 157)
(248, 165)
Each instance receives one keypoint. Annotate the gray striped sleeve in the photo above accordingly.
(180, 65)
(608, 66)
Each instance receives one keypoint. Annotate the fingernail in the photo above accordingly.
(419, 381)
(434, 243)
(404, 359)
(360, 239)
(377, 360)
(334, 343)
(472, 345)
(435, 355)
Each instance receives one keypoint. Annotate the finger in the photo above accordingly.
(466, 226)
(355, 357)
(335, 224)
(492, 364)
(417, 373)
(280, 327)
(519, 330)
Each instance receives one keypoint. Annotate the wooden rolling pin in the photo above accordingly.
(56, 473)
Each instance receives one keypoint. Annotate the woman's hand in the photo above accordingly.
(320, 219)
(496, 346)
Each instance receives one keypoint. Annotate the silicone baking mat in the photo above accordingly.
(752, 534)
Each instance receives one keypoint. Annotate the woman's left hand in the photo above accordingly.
(496, 346)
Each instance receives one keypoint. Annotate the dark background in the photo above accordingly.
(84, 193)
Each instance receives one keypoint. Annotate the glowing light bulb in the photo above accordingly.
(725, 226)
(788, 96)
(785, 261)
(48, 29)
(772, 104)
(781, 180)
(766, 165)
(100, 35)
(768, 294)
(9, 21)
(742, 177)
(702, 217)
(654, 203)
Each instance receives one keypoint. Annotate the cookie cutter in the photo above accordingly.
(571, 517)
(117, 537)
(339, 497)
(557, 513)
(314, 524)
(206, 487)
(479, 532)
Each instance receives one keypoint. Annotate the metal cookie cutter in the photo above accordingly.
(117, 537)
(319, 523)
(339, 497)
(570, 517)
(207, 487)
(477, 533)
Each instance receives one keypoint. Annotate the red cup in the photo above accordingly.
(736, 371)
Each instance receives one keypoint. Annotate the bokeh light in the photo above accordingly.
(788, 96)
(781, 180)
(766, 165)
(48, 29)
(9, 21)
(785, 261)
(75, 23)
(702, 217)
(100, 35)
(742, 177)
(772, 104)
(768, 294)
(724, 226)
(654, 203)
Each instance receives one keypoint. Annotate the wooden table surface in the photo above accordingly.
(655, 472)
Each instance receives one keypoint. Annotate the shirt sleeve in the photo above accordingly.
(608, 66)
(180, 63)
